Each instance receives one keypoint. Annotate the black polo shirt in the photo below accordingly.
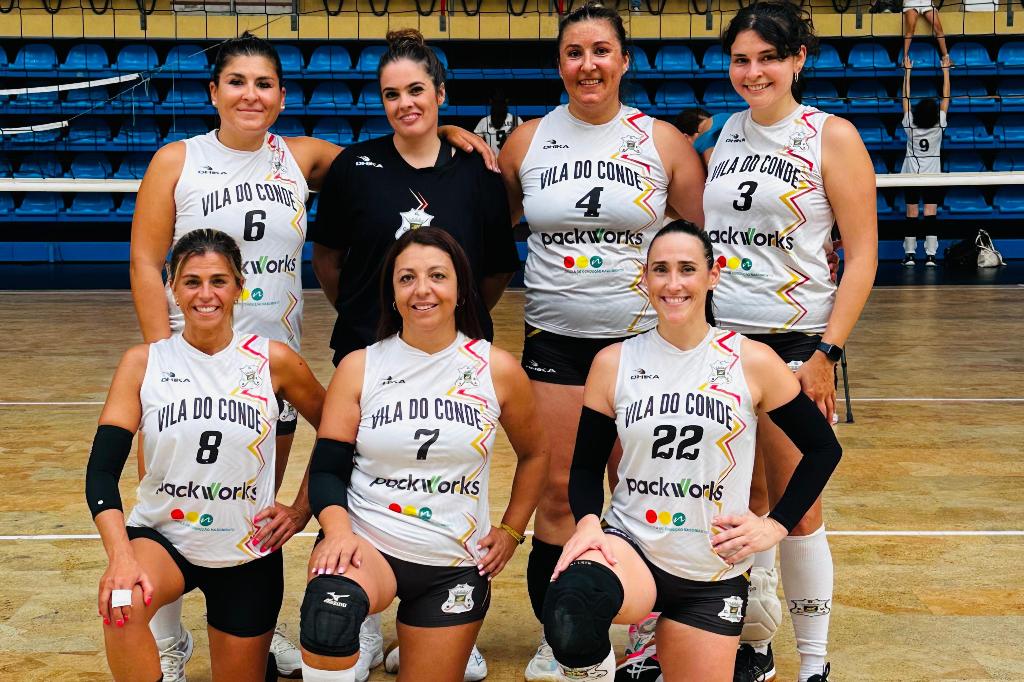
(371, 196)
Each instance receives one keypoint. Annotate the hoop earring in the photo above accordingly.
(796, 77)
(394, 307)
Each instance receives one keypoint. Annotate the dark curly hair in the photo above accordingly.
(782, 24)
(925, 114)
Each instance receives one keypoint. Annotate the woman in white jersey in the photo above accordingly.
(596, 179)
(253, 185)
(399, 474)
(685, 401)
(781, 176)
(924, 125)
(207, 402)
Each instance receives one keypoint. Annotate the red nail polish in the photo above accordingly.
(106, 621)
(149, 600)
(120, 622)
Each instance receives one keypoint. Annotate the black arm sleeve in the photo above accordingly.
(330, 472)
(802, 421)
(500, 254)
(110, 449)
(332, 201)
(595, 439)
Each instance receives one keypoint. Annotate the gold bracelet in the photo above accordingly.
(520, 538)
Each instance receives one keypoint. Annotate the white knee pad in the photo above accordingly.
(909, 244)
(764, 610)
(931, 245)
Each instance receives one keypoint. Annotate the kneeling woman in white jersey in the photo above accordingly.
(399, 474)
(207, 402)
(684, 400)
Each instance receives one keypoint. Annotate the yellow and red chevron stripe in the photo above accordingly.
(245, 347)
(785, 292)
(638, 287)
(463, 539)
(286, 317)
(276, 145)
(479, 443)
(723, 344)
(642, 200)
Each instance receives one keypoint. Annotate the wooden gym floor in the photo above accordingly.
(926, 513)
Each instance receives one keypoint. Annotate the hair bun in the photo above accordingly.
(403, 36)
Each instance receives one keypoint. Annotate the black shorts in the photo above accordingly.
(556, 359)
(930, 195)
(242, 600)
(792, 347)
(288, 420)
(710, 606)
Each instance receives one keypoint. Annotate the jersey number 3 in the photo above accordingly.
(746, 190)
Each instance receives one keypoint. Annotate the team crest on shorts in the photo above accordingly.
(810, 607)
(630, 144)
(733, 609)
(466, 377)
(250, 377)
(460, 599)
(416, 217)
(720, 372)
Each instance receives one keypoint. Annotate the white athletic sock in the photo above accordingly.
(166, 624)
(371, 626)
(604, 669)
(766, 559)
(931, 245)
(910, 245)
(806, 564)
(315, 675)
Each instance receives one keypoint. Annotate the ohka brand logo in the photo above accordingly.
(553, 144)
(390, 380)
(209, 170)
(171, 377)
(641, 373)
(366, 161)
(735, 137)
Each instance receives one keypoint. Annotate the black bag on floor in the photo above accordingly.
(963, 254)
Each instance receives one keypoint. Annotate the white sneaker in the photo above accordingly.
(371, 647)
(543, 667)
(476, 667)
(286, 656)
(174, 654)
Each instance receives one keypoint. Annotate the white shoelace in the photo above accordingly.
(172, 664)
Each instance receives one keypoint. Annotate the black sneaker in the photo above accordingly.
(929, 261)
(908, 259)
(752, 666)
(823, 677)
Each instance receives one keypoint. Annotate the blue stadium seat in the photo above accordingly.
(826, 61)
(6, 204)
(964, 162)
(822, 94)
(190, 96)
(87, 133)
(720, 96)
(872, 131)
(972, 56)
(1011, 57)
(882, 206)
(1006, 161)
(91, 205)
(127, 206)
(133, 167)
(294, 99)
(675, 59)
(90, 166)
(335, 129)
(923, 56)
(84, 99)
(441, 56)
(329, 96)
(187, 59)
(142, 132)
(330, 59)
(134, 58)
(634, 95)
(675, 95)
(85, 58)
(971, 95)
(37, 138)
(6, 170)
(291, 59)
(369, 96)
(185, 127)
(869, 57)
(965, 200)
(369, 58)
(966, 131)
(878, 162)
(40, 205)
(1009, 129)
(638, 62)
(374, 127)
(715, 60)
(35, 57)
(35, 102)
(1009, 199)
(142, 97)
(869, 96)
(3, 59)
(288, 126)
(1011, 92)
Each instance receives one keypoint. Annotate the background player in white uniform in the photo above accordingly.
(924, 125)
(780, 177)
(253, 185)
(685, 401)
(207, 402)
(596, 180)
(399, 475)
(499, 123)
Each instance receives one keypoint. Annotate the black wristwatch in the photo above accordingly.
(833, 352)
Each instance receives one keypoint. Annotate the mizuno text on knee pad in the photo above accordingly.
(578, 613)
(332, 610)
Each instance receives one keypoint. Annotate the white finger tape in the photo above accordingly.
(121, 598)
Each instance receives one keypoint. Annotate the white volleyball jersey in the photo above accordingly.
(423, 450)
(687, 428)
(259, 199)
(594, 196)
(208, 425)
(767, 214)
(924, 146)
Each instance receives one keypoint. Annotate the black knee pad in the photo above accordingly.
(539, 567)
(578, 613)
(332, 610)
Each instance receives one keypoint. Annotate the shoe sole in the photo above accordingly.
(387, 651)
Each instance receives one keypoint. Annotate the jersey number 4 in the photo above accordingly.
(590, 202)
(666, 435)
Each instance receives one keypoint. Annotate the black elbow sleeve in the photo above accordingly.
(110, 449)
(802, 421)
(330, 472)
(595, 439)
